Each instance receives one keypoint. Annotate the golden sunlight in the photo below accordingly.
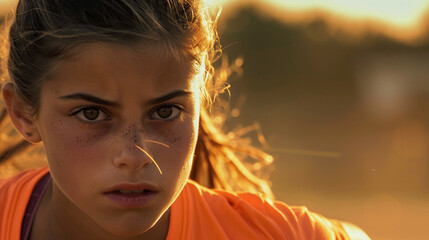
(398, 12)
(400, 19)
(6, 5)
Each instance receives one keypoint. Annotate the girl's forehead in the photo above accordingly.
(105, 56)
(112, 68)
(139, 51)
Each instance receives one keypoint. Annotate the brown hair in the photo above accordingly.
(44, 31)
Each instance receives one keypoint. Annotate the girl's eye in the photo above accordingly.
(166, 112)
(91, 114)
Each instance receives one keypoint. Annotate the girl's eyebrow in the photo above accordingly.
(94, 99)
(169, 96)
(90, 98)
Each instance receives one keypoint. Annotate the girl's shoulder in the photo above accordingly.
(224, 215)
(23, 178)
(15, 193)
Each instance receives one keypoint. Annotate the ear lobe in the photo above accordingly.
(19, 113)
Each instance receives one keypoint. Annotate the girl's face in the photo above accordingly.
(107, 114)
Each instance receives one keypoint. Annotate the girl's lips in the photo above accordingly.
(131, 187)
(130, 200)
(131, 195)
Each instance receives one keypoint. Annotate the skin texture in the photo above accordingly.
(92, 146)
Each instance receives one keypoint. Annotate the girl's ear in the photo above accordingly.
(19, 114)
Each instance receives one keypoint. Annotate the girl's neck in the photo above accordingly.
(58, 218)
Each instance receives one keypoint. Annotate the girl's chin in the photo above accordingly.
(143, 227)
(128, 231)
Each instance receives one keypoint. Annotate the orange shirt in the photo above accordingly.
(15, 192)
(201, 213)
(198, 213)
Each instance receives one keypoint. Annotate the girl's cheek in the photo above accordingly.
(88, 137)
(170, 136)
(77, 141)
(181, 140)
(182, 131)
(81, 134)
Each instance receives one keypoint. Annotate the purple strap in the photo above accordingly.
(32, 206)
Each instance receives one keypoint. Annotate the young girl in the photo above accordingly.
(119, 93)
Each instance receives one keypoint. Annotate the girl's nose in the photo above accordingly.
(133, 157)
(132, 152)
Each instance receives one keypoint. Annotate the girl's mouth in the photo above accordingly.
(131, 199)
(131, 196)
(131, 192)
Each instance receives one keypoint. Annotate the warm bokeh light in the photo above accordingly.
(6, 5)
(399, 19)
(398, 12)
(341, 92)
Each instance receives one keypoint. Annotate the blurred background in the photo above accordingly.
(340, 91)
